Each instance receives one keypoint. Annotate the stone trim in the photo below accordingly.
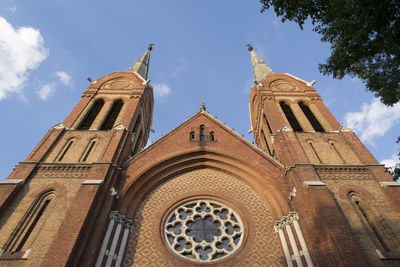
(390, 184)
(92, 182)
(12, 181)
(314, 183)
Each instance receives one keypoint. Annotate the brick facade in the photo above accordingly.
(305, 197)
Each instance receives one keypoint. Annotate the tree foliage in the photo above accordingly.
(364, 37)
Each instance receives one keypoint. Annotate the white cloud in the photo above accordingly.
(161, 89)
(64, 77)
(47, 91)
(375, 119)
(21, 50)
(12, 9)
(392, 162)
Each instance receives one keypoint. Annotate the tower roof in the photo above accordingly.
(141, 66)
(260, 69)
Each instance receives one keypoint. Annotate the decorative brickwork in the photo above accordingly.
(146, 246)
(344, 173)
(62, 171)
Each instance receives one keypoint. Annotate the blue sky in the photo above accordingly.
(48, 49)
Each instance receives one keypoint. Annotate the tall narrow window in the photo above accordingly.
(290, 117)
(112, 115)
(212, 137)
(367, 218)
(336, 151)
(313, 151)
(19, 240)
(65, 149)
(266, 142)
(267, 123)
(91, 115)
(202, 133)
(311, 118)
(138, 143)
(88, 150)
(192, 135)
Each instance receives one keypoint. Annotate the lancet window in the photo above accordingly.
(290, 117)
(311, 118)
(21, 238)
(91, 115)
(112, 115)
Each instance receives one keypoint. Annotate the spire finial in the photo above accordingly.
(141, 66)
(202, 107)
(260, 69)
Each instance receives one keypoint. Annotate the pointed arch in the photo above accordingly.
(290, 117)
(202, 133)
(137, 189)
(65, 149)
(310, 117)
(369, 220)
(22, 235)
(91, 115)
(112, 115)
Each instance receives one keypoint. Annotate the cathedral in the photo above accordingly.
(307, 193)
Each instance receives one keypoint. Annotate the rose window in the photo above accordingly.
(203, 231)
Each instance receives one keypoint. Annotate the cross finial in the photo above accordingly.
(150, 47)
(202, 107)
(249, 47)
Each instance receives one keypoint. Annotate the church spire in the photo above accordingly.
(260, 69)
(141, 66)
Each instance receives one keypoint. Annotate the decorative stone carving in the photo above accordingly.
(203, 231)
(286, 220)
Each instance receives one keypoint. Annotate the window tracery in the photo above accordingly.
(203, 231)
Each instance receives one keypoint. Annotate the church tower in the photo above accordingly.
(344, 197)
(308, 193)
(53, 203)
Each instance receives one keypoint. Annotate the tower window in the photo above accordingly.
(65, 150)
(290, 117)
(92, 114)
(138, 143)
(22, 234)
(266, 123)
(202, 133)
(88, 150)
(369, 219)
(212, 137)
(112, 115)
(311, 118)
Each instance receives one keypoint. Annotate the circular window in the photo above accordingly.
(203, 231)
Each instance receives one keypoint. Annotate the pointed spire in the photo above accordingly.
(141, 66)
(260, 69)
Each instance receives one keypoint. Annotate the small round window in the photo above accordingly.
(203, 231)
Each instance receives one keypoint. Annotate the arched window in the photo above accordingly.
(369, 220)
(311, 118)
(290, 117)
(91, 115)
(202, 133)
(192, 135)
(212, 137)
(65, 149)
(112, 115)
(20, 239)
(333, 146)
(267, 123)
(138, 143)
(266, 142)
(88, 149)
